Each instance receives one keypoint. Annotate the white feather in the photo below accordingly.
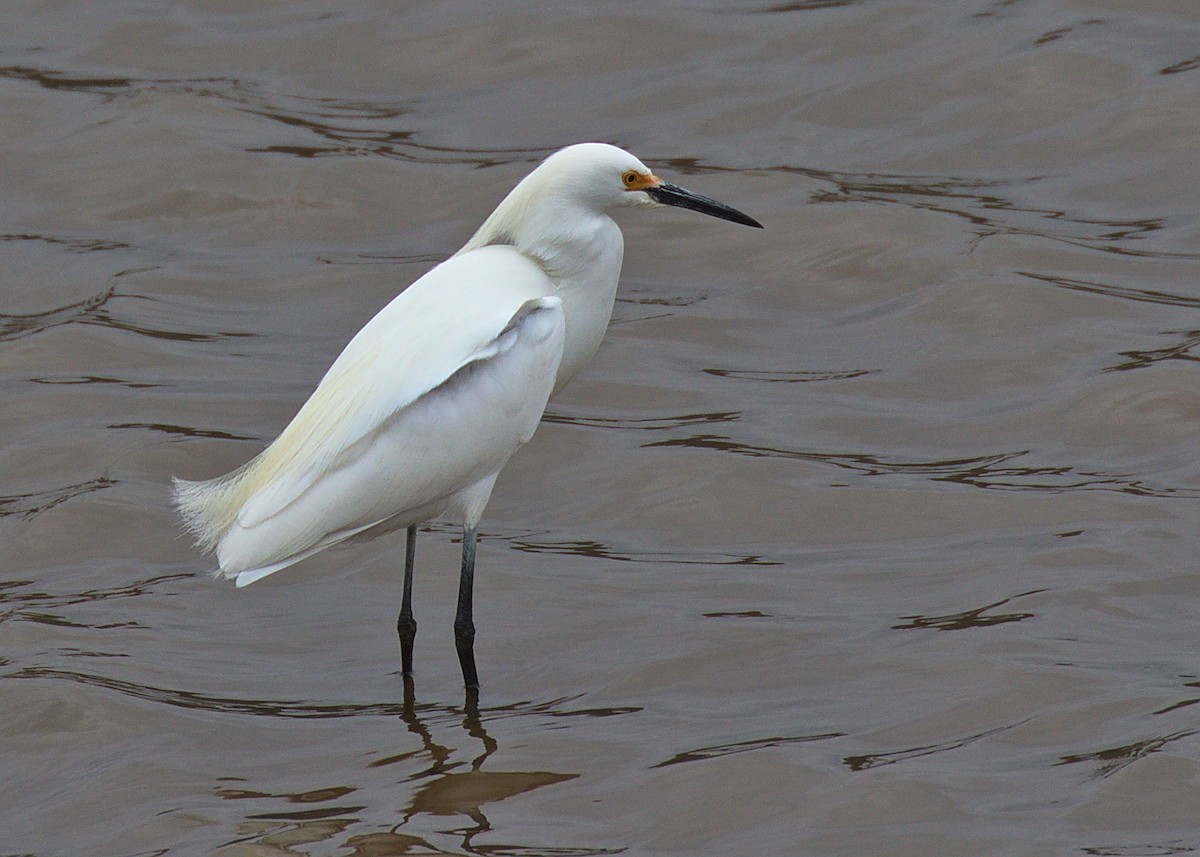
(431, 398)
(469, 352)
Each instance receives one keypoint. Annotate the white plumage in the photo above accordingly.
(425, 405)
(393, 431)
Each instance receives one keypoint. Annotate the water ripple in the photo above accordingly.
(61, 81)
(1183, 703)
(598, 550)
(17, 600)
(867, 761)
(1113, 759)
(299, 709)
(97, 310)
(801, 6)
(443, 784)
(788, 376)
(1160, 848)
(36, 502)
(57, 621)
(1183, 65)
(985, 471)
(1136, 358)
(717, 750)
(71, 245)
(967, 619)
(643, 423)
(384, 259)
(19, 326)
(341, 127)
(670, 300)
(182, 431)
(1150, 296)
(97, 379)
(737, 614)
(1143, 358)
(980, 202)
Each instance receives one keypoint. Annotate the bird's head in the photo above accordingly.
(606, 177)
(587, 177)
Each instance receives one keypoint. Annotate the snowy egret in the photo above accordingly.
(426, 404)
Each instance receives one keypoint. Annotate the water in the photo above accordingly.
(874, 532)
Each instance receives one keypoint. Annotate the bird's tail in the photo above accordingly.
(209, 508)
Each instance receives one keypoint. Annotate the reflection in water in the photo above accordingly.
(60, 622)
(18, 326)
(353, 129)
(803, 6)
(599, 550)
(12, 593)
(719, 750)
(1185, 65)
(194, 700)
(1183, 703)
(296, 709)
(737, 614)
(43, 608)
(1149, 296)
(1053, 35)
(182, 431)
(69, 652)
(440, 786)
(97, 310)
(984, 471)
(968, 618)
(383, 259)
(643, 423)
(1113, 759)
(71, 245)
(795, 376)
(1141, 359)
(446, 791)
(97, 379)
(36, 502)
(59, 80)
(980, 203)
(875, 760)
(631, 297)
(1160, 848)
(359, 128)
(1107, 108)
(343, 128)
(1136, 359)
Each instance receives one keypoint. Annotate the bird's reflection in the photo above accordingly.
(447, 791)
(445, 811)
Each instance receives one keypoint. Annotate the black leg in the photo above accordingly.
(406, 625)
(464, 626)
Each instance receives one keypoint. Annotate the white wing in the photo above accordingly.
(438, 388)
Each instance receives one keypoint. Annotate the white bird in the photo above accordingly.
(426, 404)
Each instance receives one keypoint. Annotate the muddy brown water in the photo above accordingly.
(876, 532)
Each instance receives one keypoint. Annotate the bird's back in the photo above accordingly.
(434, 394)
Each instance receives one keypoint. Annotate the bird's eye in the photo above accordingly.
(630, 178)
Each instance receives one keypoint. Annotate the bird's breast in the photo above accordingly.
(588, 293)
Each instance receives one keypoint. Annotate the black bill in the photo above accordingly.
(669, 194)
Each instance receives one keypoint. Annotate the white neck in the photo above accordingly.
(579, 249)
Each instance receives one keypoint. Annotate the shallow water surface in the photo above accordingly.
(873, 532)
